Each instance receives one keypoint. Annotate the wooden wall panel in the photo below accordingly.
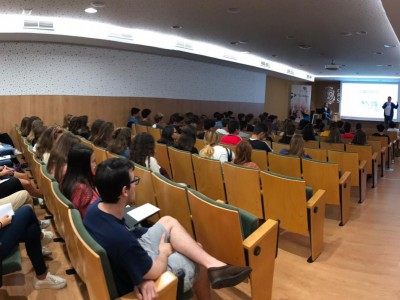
(115, 109)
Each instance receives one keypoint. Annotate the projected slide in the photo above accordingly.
(363, 101)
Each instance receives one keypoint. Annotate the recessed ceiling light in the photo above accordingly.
(91, 10)
(176, 27)
(361, 32)
(27, 12)
(389, 46)
(290, 37)
(97, 4)
(234, 43)
(346, 33)
(233, 10)
(304, 47)
(378, 53)
(381, 66)
(274, 55)
(243, 42)
(301, 65)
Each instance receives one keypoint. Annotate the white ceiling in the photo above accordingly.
(264, 24)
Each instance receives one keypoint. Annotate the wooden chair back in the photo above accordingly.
(155, 132)
(141, 128)
(172, 201)
(312, 144)
(260, 158)
(200, 144)
(161, 154)
(384, 143)
(346, 141)
(364, 153)
(62, 205)
(317, 154)
(46, 187)
(278, 147)
(284, 165)
(145, 190)
(100, 154)
(181, 166)
(243, 188)
(87, 143)
(332, 146)
(209, 178)
(377, 147)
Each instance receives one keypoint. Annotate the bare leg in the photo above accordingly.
(30, 189)
(183, 243)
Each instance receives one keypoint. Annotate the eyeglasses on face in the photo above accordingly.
(135, 180)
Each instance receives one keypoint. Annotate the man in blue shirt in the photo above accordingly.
(133, 118)
(140, 256)
(388, 111)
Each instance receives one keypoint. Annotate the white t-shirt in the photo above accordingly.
(388, 108)
(153, 166)
(222, 131)
(221, 154)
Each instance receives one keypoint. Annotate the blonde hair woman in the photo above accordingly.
(296, 147)
(213, 150)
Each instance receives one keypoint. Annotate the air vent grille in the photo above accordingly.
(38, 25)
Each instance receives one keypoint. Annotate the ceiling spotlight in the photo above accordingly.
(91, 10)
(234, 43)
(176, 27)
(97, 4)
(27, 12)
(233, 10)
(274, 55)
(389, 46)
(332, 66)
(243, 42)
(378, 53)
(361, 32)
(346, 33)
(304, 47)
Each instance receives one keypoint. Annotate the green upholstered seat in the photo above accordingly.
(248, 221)
(12, 262)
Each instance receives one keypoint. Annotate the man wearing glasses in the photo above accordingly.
(140, 256)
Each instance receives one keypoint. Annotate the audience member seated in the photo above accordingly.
(242, 127)
(17, 199)
(169, 135)
(81, 127)
(176, 119)
(360, 138)
(257, 138)
(296, 147)
(78, 183)
(145, 117)
(143, 151)
(31, 135)
(28, 126)
(347, 134)
(381, 129)
(243, 155)
(232, 138)
(24, 227)
(224, 129)
(249, 119)
(12, 182)
(340, 125)
(57, 164)
(394, 127)
(134, 117)
(103, 138)
(274, 122)
(192, 120)
(66, 121)
(46, 141)
(121, 142)
(288, 133)
(23, 125)
(138, 257)
(208, 125)
(157, 120)
(187, 139)
(213, 150)
(94, 130)
(37, 132)
(334, 135)
(218, 120)
(308, 133)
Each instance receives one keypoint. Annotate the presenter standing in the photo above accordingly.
(388, 109)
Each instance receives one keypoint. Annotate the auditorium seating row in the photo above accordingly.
(247, 241)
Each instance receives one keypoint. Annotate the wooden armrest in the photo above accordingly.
(220, 201)
(253, 239)
(315, 199)
(345, 178)
(362, 165)
(165, 284)
(374, 155)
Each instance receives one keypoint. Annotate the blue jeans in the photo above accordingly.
(24, 228)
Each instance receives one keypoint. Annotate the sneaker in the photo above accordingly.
(46, 252)
(47, 237)
(44, 223)
(50, 282)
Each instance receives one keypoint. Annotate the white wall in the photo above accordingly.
(56, 69)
